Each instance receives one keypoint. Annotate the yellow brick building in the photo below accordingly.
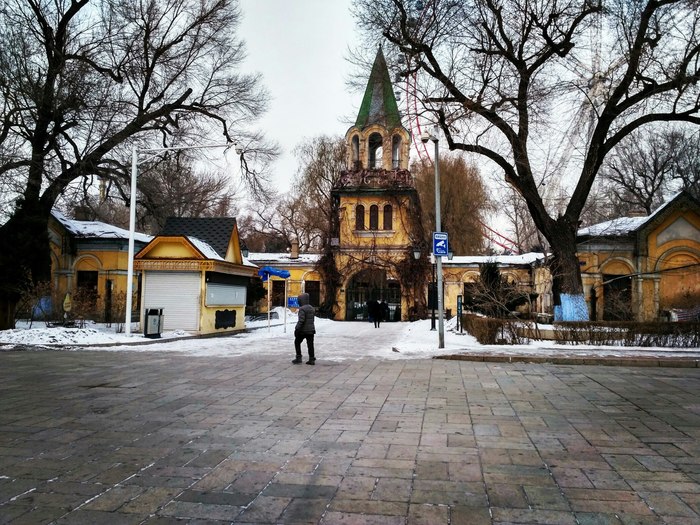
(644, 268)
(89, 259)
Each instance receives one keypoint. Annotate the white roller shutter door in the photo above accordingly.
(177, 293)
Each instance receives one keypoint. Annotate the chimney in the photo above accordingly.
(294, 254)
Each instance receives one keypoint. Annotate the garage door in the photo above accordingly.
(177, 293)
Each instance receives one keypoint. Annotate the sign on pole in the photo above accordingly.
(440, 244)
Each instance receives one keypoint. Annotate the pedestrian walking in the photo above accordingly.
(384, 310)
(305, 329)
(374, 312)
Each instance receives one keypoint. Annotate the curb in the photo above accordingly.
(666, 362)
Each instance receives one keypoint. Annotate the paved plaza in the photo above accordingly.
(128, 437)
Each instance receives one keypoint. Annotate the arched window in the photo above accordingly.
(355, 153)
(388, 217)
(359, 217)
(396, 152)
(374, 217)
(375, 151)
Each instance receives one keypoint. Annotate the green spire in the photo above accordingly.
(379, 103)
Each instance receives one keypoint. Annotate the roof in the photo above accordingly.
(214, 231)
(96, 229)
(623, 226)
(206, 250)
(283, 258)
(379, 103)
(501, 260)
(616, 227)
(311, 258)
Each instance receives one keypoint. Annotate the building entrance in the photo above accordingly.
(372, 285)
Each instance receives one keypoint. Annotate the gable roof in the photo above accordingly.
(625, 226)
(379, 103)
(96, 229)
(214, 231)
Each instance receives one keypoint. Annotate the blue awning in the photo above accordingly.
(266, 271)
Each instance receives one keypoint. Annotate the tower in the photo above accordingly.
(378, 226)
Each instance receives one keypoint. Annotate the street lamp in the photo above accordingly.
(425, 137)
(132, 217)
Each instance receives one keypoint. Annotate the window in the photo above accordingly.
(87, 288)
(313, 288)
(277, 296)
(359, 217)
(355, 153)
(374, 217)
(375, 151)
(395, 152)
(388, 217)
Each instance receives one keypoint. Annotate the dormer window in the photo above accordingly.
(375, 151)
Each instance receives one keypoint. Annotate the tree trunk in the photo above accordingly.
(24, 257)
(569, 300)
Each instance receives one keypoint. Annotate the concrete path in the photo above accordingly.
(128, 437)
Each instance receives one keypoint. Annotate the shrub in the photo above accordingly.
(628, 333)
(490, 331)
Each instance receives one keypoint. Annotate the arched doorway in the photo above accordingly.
(371, 284)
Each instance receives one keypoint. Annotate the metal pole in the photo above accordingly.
(438, 228)
(269, 300)
(286, 294)
(132, 228)
(132, 220)
(432, 310)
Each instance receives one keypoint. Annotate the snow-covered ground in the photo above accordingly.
(335, 341)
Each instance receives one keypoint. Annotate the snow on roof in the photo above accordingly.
(624, 225)
(206, 249)
(284, 258)
(502, 260)
(619, 226)
(310, 258)
(97, 229)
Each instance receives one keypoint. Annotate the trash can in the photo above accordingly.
(153, 323)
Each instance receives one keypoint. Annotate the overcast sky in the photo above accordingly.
(300, 47)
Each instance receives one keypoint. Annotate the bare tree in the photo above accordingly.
(644, 170)
(498, 77)
(170, 188)
(686, 169)
(174, 189)
(638, 173)
(321, 160)
(525, 233)
(464, 202)
(257, 237)
(82, 81)
(289, 219)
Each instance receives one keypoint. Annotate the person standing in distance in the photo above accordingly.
(305, 329)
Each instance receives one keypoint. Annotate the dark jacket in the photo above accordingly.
(305, 323)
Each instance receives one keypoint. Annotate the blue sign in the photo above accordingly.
(292, 302)
(440, 244)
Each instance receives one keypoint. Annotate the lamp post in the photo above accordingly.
(132, 217)
(433, 284)
(425, 137)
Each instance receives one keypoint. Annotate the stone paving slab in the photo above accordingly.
(160, 438)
